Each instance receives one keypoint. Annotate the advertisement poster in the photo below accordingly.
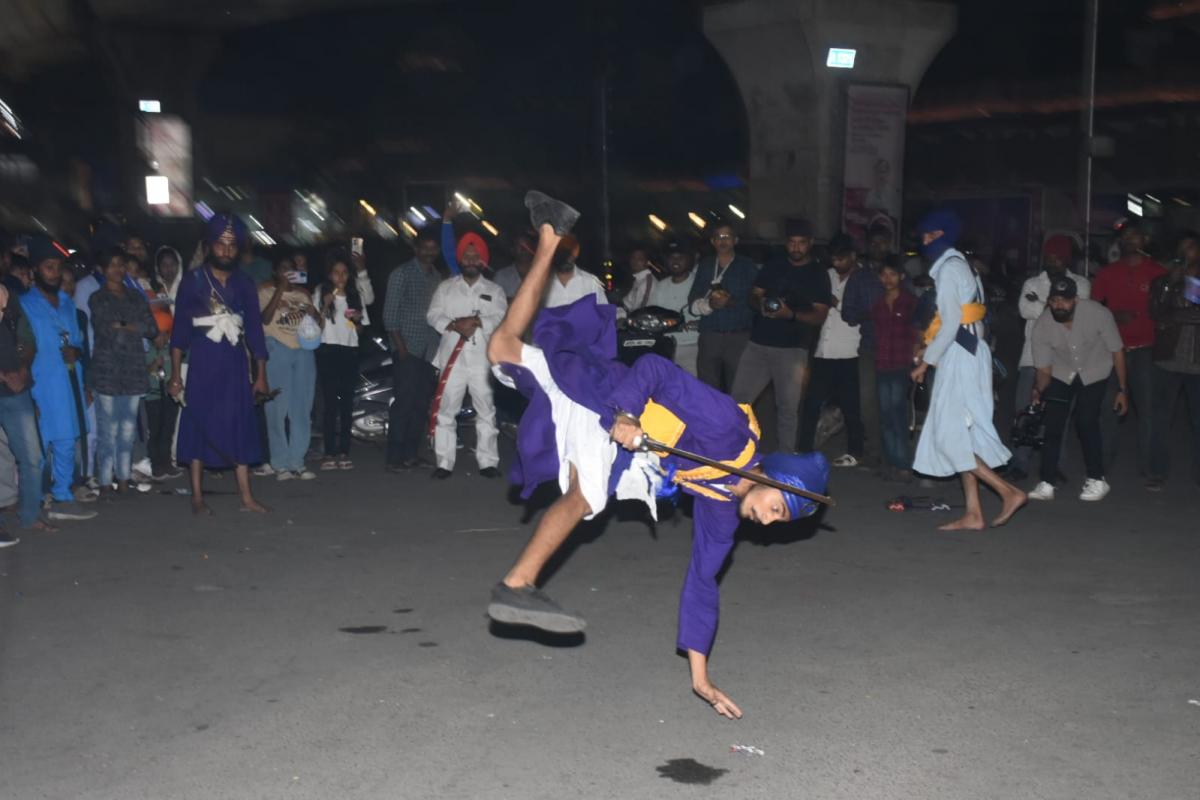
(873, 179)
(166, 144)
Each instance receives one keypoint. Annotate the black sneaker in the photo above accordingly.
(7, 540)
(441, 474)
(531, 606)
(489, 472)
(544, 209)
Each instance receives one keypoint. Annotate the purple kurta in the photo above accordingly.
(218, 425)
(579, 343)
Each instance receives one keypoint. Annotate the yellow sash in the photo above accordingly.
(971, 313)
(661, 424)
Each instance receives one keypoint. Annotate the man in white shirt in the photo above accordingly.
(834, 375)
(638, 295)
(672, 293)
(1056, 255)
(466, 309)
(569, 283)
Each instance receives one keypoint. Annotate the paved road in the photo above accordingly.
(152, 655)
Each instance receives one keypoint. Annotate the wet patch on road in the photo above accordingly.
(427, 644)
(364, 629)
(689, 771)
(401, 610)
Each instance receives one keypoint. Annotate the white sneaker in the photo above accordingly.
(143, 466)
(1094, 489)
(1043, 491)
(263, 470)
(846, 460)
(304, 474)
(284, 475)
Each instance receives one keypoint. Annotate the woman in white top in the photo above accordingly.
(343, 315)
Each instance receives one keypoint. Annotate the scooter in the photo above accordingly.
(646, 331)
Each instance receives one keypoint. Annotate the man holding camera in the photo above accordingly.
(719, 298)
(791, 297)
(1075, 345)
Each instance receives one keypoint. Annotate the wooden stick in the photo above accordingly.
(651, 444)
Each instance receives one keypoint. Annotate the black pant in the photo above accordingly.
(160, 424)
(337, 368)
(413, 384)
(833, 380)
(1088, 400)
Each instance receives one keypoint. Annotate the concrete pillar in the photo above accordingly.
(776, 50)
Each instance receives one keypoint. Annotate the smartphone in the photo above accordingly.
(297, 277)
(356, 246)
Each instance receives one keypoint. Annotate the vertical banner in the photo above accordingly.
(166, 144)
(873, 178)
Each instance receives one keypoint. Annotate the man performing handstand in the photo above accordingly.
(583, 403)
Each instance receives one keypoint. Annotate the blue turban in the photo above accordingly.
(808, 471)
(219, 223)
(942, 220)
(41, 248)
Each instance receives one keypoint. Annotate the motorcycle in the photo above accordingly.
(374, 395)
(646, 331)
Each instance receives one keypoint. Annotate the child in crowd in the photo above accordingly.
(895, 342)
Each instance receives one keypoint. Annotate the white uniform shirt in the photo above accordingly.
(581, 284)
(668, 294)
(1032, 309)
(339, 330)
(455, 298)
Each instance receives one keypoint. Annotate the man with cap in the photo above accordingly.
(58, 380)
(790, 299)
(958, 435)
(1076, 346)
(672, 292)
(217, 318)
(583, 404)
(1056, 258)
(465, 308)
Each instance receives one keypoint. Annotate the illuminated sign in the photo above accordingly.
(841, 58)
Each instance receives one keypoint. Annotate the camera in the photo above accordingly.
(772, 304)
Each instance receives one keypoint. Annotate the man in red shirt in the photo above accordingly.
(1124, 286)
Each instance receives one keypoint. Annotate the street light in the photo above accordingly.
(658, 223)
(697, 220)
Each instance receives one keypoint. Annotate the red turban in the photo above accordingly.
(1058, 245)
(472, 240)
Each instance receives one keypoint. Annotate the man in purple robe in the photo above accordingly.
(219, 325)
(583, 404)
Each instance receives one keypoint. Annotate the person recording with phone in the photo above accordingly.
(291, 368)
(343, 316)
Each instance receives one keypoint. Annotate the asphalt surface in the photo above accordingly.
(148, 654)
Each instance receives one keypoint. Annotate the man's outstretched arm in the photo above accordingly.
(505, 345)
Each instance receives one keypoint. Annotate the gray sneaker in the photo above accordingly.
(69, 510)
(531, 606)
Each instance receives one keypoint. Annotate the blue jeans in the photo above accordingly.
(289, 416)
(893, 417)
(19, 421)
(116, 429)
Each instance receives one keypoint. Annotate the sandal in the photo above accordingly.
(328, 464)
(346, 463)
